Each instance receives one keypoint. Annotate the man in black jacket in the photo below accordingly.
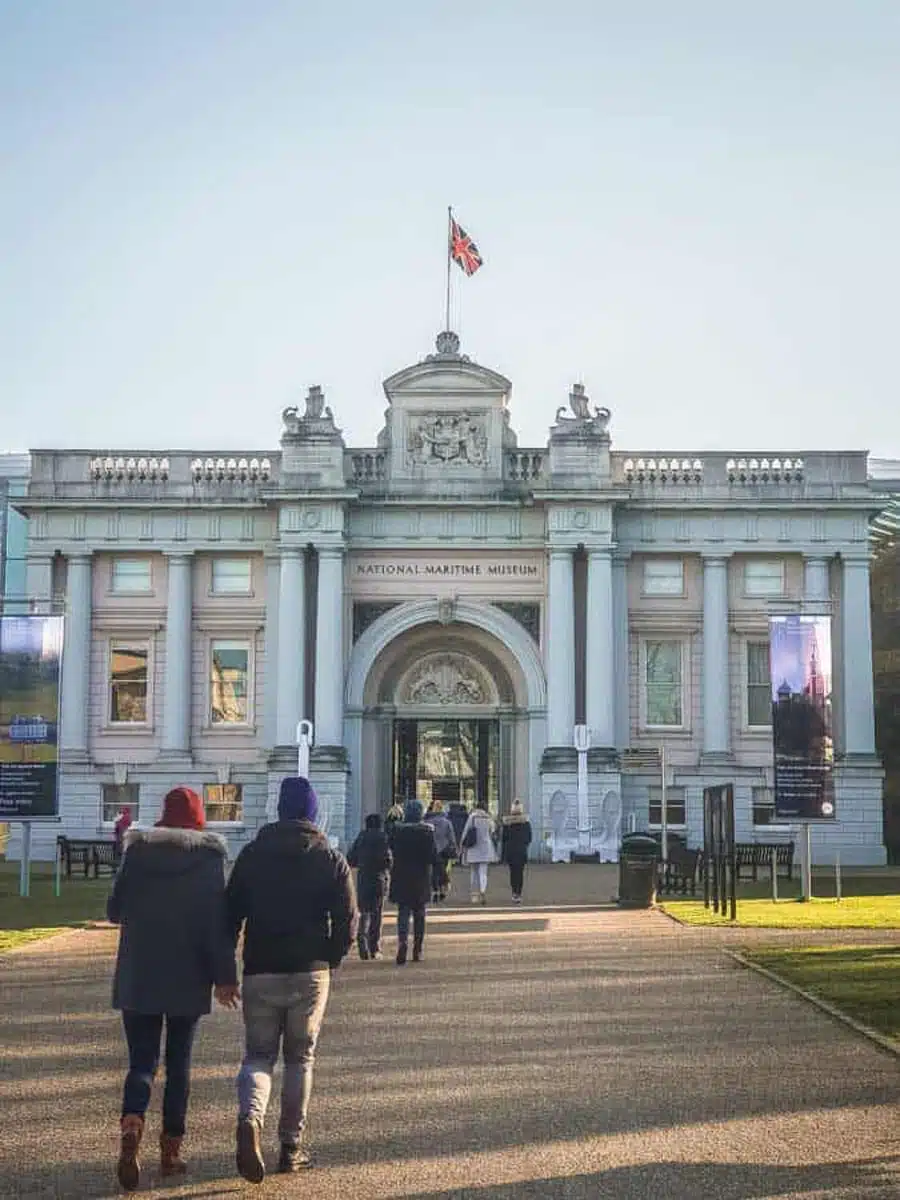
(294, 896)
(371, 855)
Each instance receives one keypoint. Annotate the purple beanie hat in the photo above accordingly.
(297, 801)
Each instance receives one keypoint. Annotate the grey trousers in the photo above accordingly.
(286, 1011)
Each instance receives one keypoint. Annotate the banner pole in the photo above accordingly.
(664, 807)
(25, 864)
(837, 875)
(807, 861)
(774, 869)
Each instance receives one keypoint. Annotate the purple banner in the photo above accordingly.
(801, 673)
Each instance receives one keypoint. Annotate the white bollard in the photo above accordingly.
(774, 875)
(837, 875)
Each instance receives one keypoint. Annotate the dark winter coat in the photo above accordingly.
(371, 855)
(415, 854)
(516, 839)
(169, 899)
(297, 898)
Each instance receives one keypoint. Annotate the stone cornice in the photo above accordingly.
(659, 621)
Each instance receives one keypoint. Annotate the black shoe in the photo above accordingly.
(293, 1158)
(417, 953)
(376, 954)
(363, 953)
(401, 954)
(250, 1163)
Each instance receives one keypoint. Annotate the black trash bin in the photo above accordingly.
(638, 858)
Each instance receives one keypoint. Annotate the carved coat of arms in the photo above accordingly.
(447, 438)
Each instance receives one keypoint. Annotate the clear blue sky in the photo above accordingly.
(208, 205)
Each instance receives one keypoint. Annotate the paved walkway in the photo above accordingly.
(589, 1054)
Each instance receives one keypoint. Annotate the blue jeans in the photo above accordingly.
(281, 1011)
(143, 1032)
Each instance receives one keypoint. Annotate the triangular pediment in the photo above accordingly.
(447, 374)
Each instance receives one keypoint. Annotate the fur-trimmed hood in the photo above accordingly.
(181, 839)
(515, 818)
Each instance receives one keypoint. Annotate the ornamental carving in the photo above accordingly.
(447, 439)
(446, 679)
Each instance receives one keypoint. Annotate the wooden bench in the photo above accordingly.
(759, 854)
(89, 853)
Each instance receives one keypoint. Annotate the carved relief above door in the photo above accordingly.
(446, 679)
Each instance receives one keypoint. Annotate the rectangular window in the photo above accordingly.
(759, 690)
(231, 576)
(128, 682)
(117, 796)
(229, 683)
(663, 577)
(223, 802)
(675, 810)
(662, 684)
(763, 806)
(131, 575)
(763, 577)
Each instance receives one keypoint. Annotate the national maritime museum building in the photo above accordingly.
(446, 607)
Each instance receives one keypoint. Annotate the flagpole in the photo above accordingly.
(449, 246)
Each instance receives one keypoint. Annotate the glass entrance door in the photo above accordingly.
(455, 761)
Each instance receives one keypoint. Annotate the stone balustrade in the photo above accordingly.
(525, 466)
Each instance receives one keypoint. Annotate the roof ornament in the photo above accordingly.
(580, 404)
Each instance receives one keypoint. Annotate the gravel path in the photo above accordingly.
(539, 1054)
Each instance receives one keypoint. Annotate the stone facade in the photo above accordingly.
(448, 574)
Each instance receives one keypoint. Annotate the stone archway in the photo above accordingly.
(479, 656)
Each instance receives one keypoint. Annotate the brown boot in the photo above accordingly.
(129, 1169)
(170, 1160)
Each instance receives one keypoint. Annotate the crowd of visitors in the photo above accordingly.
(291, 906)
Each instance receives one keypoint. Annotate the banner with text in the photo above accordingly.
(30, 654)
(801, 675)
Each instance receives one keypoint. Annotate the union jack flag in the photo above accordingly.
(463, 250)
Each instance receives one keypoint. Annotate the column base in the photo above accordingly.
(722, 760)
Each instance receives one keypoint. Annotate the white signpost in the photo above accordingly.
(582, 740)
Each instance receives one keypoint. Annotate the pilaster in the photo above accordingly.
(329, 730)
(599, 650)
(291, 645)
(859, 694)
(176, 738)
(76, 663)
(560, 654)
(716, 688)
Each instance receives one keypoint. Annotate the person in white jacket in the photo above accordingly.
(478, 849)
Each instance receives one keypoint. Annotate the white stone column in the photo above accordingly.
(859, 692)
(330, 648)
(599, 667)
(816, 586)
(560, 653)
(290, 666)
(76, 663)
(716, 686)
(622, 698)
(176, 736)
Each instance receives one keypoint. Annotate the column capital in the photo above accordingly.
(715, 558)
(179, 555)
(331, 550)
(599, 551)
(857, 560)
(291, 551)
(561, 551)
(82, 558)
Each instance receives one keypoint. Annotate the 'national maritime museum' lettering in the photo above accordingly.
(447, 607)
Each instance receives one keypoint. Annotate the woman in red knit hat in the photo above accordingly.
(174, 948)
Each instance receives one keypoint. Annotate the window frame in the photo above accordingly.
(220, 559)
(243, 643)
(752, 594)
(134, 805)
(130, 591)
(645, 724)
(754, 805)
(655, 561)
(239, 822)
(128, 643)
(746, 685)
(682, 804)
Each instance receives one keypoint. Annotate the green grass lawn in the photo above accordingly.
(853, 912)
(862, 981)
(23, 919)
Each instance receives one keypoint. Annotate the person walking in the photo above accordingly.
(415, 856)
(294, 897)
(124, 821)
(447, 850)
(514, 843)
(478, 851)
(168, 898)
(372, 857)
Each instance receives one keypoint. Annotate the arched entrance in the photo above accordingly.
(444, 708)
